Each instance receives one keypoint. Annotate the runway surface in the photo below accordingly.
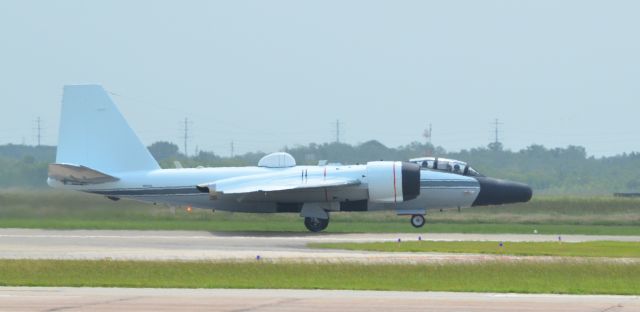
(127, 299)
(201, 245)
(198, 245)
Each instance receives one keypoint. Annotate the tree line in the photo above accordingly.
(567, 170)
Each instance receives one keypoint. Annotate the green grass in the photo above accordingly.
(563, 249)
(522, 277)
(277, 224)
(547, 215)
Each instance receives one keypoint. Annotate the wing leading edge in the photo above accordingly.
(273, 183)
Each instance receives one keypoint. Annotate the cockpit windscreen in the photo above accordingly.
(446, 165)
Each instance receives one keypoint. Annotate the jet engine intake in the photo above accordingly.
(392, 181)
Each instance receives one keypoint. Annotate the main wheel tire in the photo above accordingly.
(316, 224)
(417, 221)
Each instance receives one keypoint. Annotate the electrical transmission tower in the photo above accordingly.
(38, 129)
(338, 123)
(496, 145)
(427, 133)
(186, 136)
(496, 124)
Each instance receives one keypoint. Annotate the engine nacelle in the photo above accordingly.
(393, 181)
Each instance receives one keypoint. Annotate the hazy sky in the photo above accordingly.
(266, 74)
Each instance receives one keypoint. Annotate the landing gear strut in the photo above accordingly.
(417, 221)
(314, 224)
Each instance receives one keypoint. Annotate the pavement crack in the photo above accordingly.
(87, 305)
(267, 305)
(613, 307)
(618, 306)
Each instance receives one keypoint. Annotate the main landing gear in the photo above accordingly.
(314, 224)
(316, 216)
(417, 221)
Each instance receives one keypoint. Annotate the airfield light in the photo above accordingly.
(189, 209)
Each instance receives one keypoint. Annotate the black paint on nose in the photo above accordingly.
(498, 192)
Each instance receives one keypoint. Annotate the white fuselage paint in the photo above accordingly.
(178, 187)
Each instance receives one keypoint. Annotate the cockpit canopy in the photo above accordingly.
(446, 165)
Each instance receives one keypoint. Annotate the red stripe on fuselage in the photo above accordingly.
(326, 194)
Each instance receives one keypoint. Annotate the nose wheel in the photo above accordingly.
(417, 221)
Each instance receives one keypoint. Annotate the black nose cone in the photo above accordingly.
(498, 192)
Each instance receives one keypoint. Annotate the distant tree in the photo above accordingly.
(42, 153)
(495, 146)
(374, 150)
(163, 150)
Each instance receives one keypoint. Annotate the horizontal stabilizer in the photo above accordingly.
(74, 174)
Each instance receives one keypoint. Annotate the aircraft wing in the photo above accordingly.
(273, 183)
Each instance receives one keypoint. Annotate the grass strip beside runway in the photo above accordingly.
(613, 249)
(544, 215)
(567, 277)
(277, 223)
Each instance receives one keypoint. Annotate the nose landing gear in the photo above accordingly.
(417, 221)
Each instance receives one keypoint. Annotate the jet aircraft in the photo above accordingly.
(99, 153)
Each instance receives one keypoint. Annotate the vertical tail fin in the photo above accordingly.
(94, 134)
